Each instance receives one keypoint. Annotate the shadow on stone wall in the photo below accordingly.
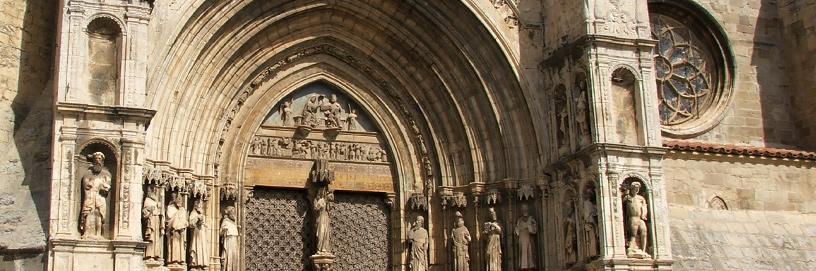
(26, 194)
(772, 76)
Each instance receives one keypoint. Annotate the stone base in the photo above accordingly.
(323, 262)
(177, 267)
(79, 254)
(155, 264)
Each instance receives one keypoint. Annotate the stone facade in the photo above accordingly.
(407, 135)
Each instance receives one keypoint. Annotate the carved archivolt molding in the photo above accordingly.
(508, 9)
(359, 64)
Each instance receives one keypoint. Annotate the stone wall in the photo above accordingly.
(799, 21)
(26, 46)
(760, 112)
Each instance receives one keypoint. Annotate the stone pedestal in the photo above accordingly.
(323, 262)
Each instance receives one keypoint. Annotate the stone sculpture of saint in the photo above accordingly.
(309, 113)
(332, 110)
(526, 229)
(590, 224)
(351, 120)
(635, 217)
(229, 241)
(177, 229)
(493, 233)
(286, 113)
(461, 239)
(418, 238)
(199, 252)
(154, 227)
(95, 186)
(322, 206)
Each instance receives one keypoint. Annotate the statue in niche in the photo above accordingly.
(154, 228)
(570, 249)
(286, 113)
(461, 239)
(590, 217)
(199, 254)
(526, 229)
(230, 260)
(322, 206)
(96, 184)
(635, 216)
(562, 128)
(493, 249)
(351, 120)
(308, 117)
(581, 113)
(331, 111)
(176, 225)
(418, 238)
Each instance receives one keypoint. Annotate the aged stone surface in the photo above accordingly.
(418, 240)
(542, 109)
(96, 184)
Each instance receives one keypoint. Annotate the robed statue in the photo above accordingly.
(418, 239)
(153, 225)
(230, 261)
(526, 229)
(493, 249)
(199, 252)
(322, 206)
(176, 230)
(460, 237)
(95, 187)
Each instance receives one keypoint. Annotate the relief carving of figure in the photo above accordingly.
(351, 120)
(308, 117)
(526, 229)
(286, 113)
(95, 187)
(199, 254)
(176, 225)
(322, 207)
(332, 111)
(154, 227)
(418, 238)
(460, 237)
(230, 261)
(493, 249)
(263, 146)
(254, 146)
(635, 217)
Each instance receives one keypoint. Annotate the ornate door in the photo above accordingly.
(279, 231)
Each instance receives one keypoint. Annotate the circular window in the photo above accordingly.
(693, 82)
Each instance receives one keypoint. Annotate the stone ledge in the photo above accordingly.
(689, 146)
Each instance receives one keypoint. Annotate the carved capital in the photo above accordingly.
(492, 196)
(457, 199)
(526, 191)
(229, 191)
(418, 202)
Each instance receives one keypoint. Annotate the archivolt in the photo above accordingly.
(451, 73)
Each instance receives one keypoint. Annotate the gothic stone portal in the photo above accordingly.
(315, 123)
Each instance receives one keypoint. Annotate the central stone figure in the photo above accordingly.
(322, 205)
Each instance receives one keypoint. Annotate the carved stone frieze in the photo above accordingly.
(279, 147)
